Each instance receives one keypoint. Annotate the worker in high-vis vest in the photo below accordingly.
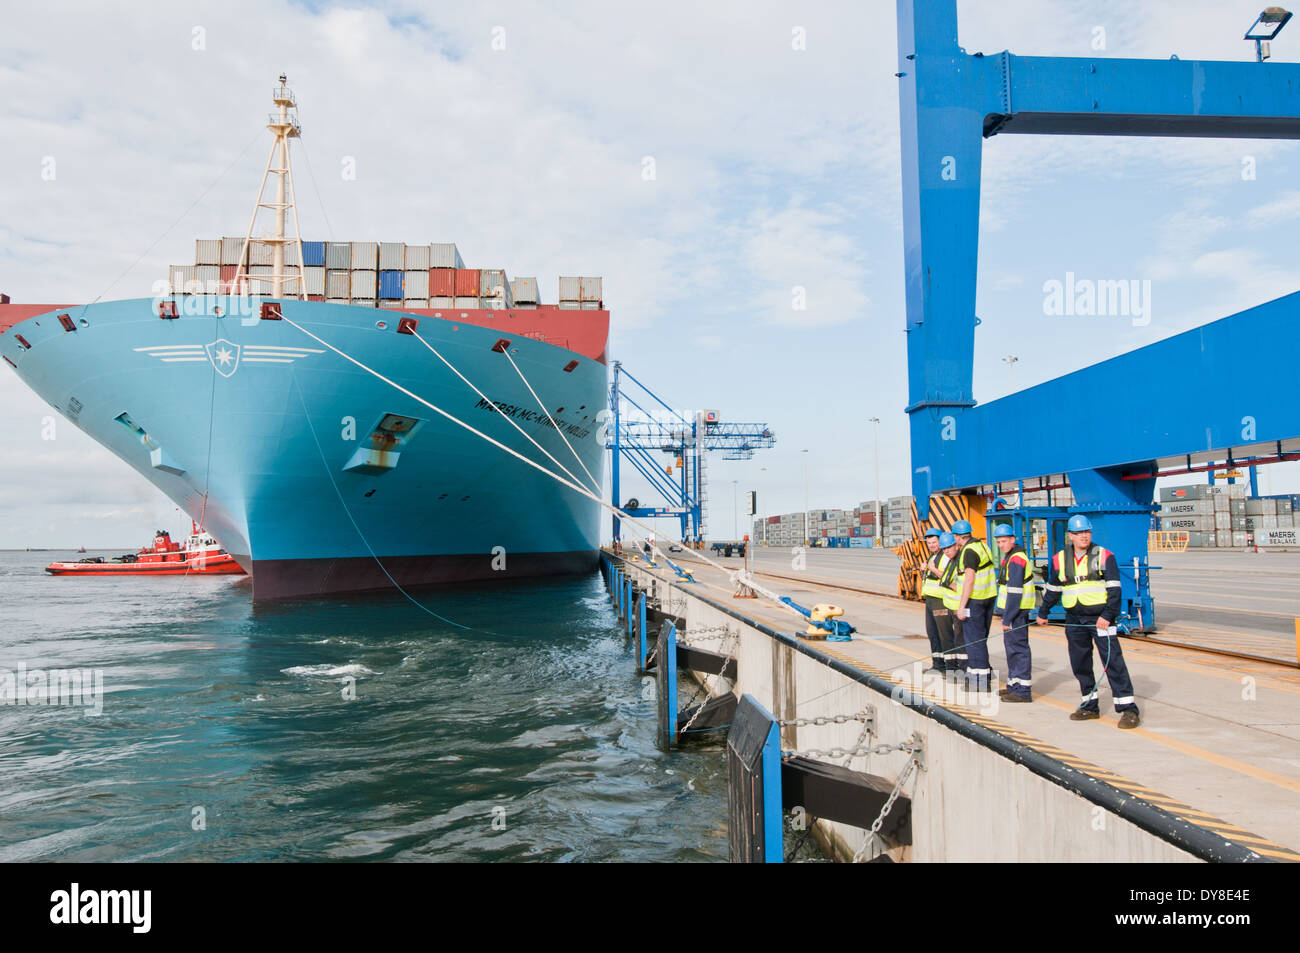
(979, 591)
(936, 615)
(1084, 578)
(1015, 601)
(950, 594)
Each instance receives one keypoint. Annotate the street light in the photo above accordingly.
(1010, 361)
(735, 510)
(762, 488)
(875, 421)
(1265, 28)
(807, 538)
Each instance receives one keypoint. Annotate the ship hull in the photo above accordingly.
(274, 440)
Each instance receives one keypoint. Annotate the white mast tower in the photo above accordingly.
(284, 126)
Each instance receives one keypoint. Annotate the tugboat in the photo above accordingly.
(200, 553)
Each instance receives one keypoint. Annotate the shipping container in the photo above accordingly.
(207, 251)
(442, 281)
(1261, 507)
(524, 290)
(1222, 503)
(570, 289)
(338, 255)
(392, 256)
(416, 284)
(313, 254)
(463, 301)
(442, 301)
(365, 255)
(182, 275)
(1239, 539)
(1188, 508)
(417, 258)
(338, 284)
(416, 302)
(570, 305)
(227, 278)
(208, 274)
(391, 304)
(231, 249)
(445, 255)
(1237, 507)
(390, 285)
(492, 282)
(590, 305)
(315, 280)
(1239, 524)
(467, 282)
(1223, 539)
(1223, 520)
(1190, 523)
(364, 302)
(259, 253)
(364, 284)
(315, 297)
(337, 301)
(291, 255)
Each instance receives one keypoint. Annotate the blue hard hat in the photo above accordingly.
(961, 528)
(1003, 529)
(946, 540)
(934, 531)
(1079, 524)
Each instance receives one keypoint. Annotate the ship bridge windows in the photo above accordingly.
(383, 447)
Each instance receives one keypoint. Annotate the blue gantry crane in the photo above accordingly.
(685, 438)
(1115, 426)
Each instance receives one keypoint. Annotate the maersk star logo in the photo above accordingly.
(224, 356)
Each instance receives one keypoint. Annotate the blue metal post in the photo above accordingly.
(1254, 481)
(670, 660)
(641, 634)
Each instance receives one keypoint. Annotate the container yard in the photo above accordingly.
(615, 564)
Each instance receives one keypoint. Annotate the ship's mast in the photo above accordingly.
(284, 126)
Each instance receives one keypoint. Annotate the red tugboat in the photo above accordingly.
(200, 553)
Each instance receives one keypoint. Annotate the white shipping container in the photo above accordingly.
(416, 284)
(182, 275)
(1237, 507)
(416, 303)
(524, 290)
(338, 255)
(207, 273)
(1223, 538)
(1222, 504)
(391, 304)
(442, 301)
(570, 305)
(207, 251)
(417, 258)
(590, 305)
(1237, 491)
(315, 280)
(592, 289)
(1188, 508)
(337, 301)
(363, 284)
(262, 270)
(231, 249)
(1197, 524)
(338, 284)
(1222, 520)
(365, 255)
(392, 256)
(1278, 537)
(1286, 522)
(463, 302)
(445, 255)
(570, 289)
(260, 254)
(291, 257)
(1239, 539)
(364, 302)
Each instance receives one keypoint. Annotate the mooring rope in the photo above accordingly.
(594, 482)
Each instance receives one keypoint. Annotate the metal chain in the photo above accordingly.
(884, 811)
(863, 715)
(859, 751)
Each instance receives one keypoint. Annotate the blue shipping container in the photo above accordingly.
(390, 284)
(313, 254)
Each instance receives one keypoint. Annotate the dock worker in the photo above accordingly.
(932, 594)
(979, 591)
(1084, 578)
(954, 654)
(1015, 601)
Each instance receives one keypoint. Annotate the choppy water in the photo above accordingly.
(526, 738)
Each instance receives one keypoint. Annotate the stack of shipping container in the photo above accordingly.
(1222, 516)
(375, 275)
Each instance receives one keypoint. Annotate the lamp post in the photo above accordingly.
(735, 510)
(875, 427)
(807, 536)
(1265, 28)
(1010, 361)
(762, 488)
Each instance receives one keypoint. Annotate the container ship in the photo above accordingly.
(311, 403)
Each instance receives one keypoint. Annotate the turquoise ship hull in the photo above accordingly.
(317, 476)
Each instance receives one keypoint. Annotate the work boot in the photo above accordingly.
(1129, 719)
(1004, 692)
(1084, 714)
(1015, 698)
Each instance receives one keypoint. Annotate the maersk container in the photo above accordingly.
(364, 284)
(338, 255)
(392, 256)
(315, 278)
(467, 282)
(416, 284)
(207, 251)
(463, 301)
(338, 284)
(231, 249)
(390, 285)
(442, 282)
(313, 254)
(524, 290)
(445, 255)
(365, 255)
(417, 258)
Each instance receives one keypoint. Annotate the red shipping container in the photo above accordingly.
(442, 283)
(867, 518)
(773, 519)
(466, 282)
(315, 297)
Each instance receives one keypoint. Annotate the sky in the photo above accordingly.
(705, 159)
